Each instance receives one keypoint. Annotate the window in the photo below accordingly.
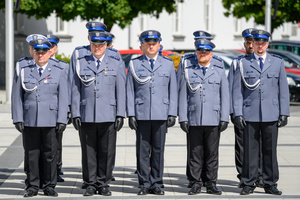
(142, 22)
(177, 19)
(61, 26)
(207, 15)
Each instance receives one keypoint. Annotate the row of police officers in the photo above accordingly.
(95, 92)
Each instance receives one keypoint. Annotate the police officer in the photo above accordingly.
(98, 109)
(151, 108)
(260, 106)
(203, 114)
(54, 40)
(39, 113)
(248, 44)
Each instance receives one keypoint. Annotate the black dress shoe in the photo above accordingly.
(259, 183)
(60, 172)
(143, 191)
(190, 185)
(240, 185)
(30, 193)
(104, 191)
(246, 190)
(213, 190)
(162, 186)
(50, 192)
(157, 191)
(60, 179)
(196, 189)
(273, 190)
(113, 178)
(204, 184)
(89, 191)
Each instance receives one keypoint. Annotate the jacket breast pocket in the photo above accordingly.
(250, 78)
(110, 77)
(272, 79)
(164, 78)
(29, 83)
(53, 86)
(214, 83)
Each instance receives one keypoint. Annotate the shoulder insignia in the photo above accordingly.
(240, 57)
(62, 61)
(217, 58)
(112, 49)
(277, 56)
(187, 56)
(219, 66)
(137, 57)
(25, 58)
(82, 47)
(165, 57)
(114, 58)
(59, 67)
(54, 60)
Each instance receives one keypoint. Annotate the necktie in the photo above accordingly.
(261, 64)
(40, 71)
(98, 65)
(204, 70)
(151, 63)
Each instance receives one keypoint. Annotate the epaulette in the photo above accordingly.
(112, 49)
(82, 47)
(54, 60)
(59, 67)
(137, 57)
(25, 58)
(187, 56)
(219, 66)
(167, 58)
(114, 57)
(240, 57)
(275, 55)
(30, 65)
(217, 58)
(63, 61)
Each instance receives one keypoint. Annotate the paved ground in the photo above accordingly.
(125, 187)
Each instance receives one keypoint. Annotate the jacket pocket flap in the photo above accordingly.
(216, 107)
(271, 75)
(112, 102)
(166, 101)
(139, 101)
(53, 107)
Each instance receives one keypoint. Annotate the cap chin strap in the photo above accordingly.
(139, 80)
(250, 87)
(186, 75)
(23, 84)
(84, 82)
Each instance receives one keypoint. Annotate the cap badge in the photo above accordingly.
(202, 41)
(93, 24)
(250, 30)
(97, 34)
(201, 33)
(34, 37)
(39, 41)
(150, 33)
(48, 36)
(260, 32)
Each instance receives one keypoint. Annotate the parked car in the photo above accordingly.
(294, 86)
(289, 57)
(287, 45)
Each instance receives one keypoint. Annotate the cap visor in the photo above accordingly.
(40, 49)
(261, 39)
(98, 41)
(151, 39)
(201, 49)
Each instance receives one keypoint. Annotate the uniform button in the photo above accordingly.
(97, 96)
(262, 99)
(97, 82)
(203, 88)
(38, 100)
(262, 84)
(203, 94)
(39, 95)
(97, 89)
(97, 74)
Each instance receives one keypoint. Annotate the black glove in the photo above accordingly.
(223, 126)
(119, 123)
(184, 126)
(69, 116)
(133, 123)
(60, 128)
(282, 121)
(239, 122)
(171, 121)
(19, 126)
(76, 123)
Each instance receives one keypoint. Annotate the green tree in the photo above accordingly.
(120, 12)
(288, 11)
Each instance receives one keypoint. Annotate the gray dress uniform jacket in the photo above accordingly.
(210, 104)
(48, 103)
(103, 97)
(270, 99)
(157, 98)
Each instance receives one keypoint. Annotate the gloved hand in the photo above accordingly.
(60, 128)
(223, 126)
(69, 116)
(282, 121)
(184, 126)
(171, 121)
(19, 126)
(76, 123)
(133, 123)
(119, 123)
(239, 122)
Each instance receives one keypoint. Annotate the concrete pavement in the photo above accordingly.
(125, 187)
